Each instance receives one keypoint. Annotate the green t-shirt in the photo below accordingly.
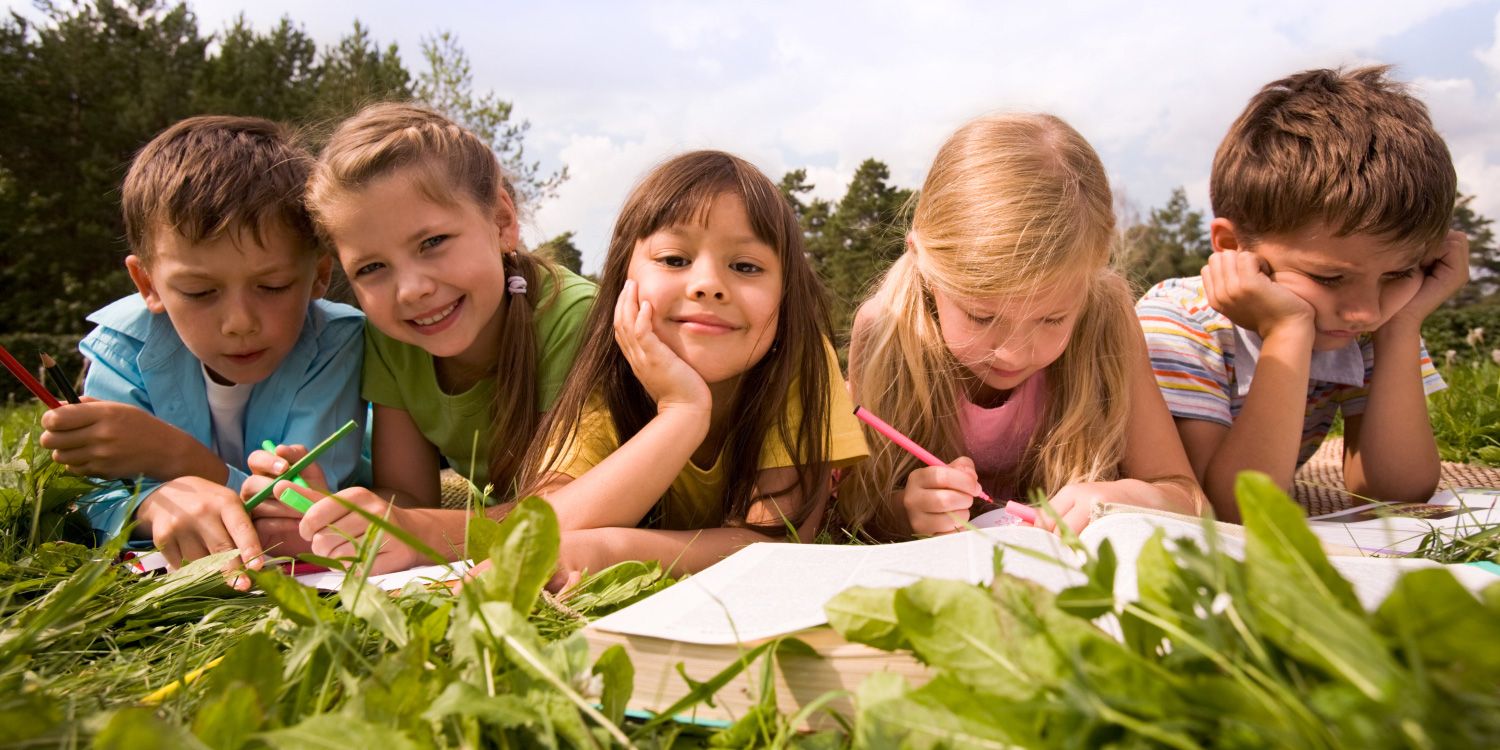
(402, 376)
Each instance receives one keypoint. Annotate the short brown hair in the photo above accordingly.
(210, 174)
(1352, 149)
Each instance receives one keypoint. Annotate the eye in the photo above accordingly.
(196, 295)
(368, 268)
(980, 320)
(1403, 274)
(1326, 280)
(274, 289)
(746, 267)
(674, 261)
(1055, 320)
(433, 241)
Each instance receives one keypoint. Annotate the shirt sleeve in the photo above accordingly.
(586, 445)
(381, 376)
(1432, 381)
(328, 398)
(846, 438)
(113, 376)
(1188, 363)
(560, 333)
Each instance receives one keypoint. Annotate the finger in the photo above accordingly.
(943, 502)
(946, 478)
(329, 510)
(171, 551)
(252, 485)
(190, 547)
(265, 463)
(65, 440)
(1078, 517)
(275, 510)
(242, 535)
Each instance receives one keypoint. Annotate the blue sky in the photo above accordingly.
(612, 88)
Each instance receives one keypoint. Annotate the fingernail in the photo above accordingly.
(280, 466)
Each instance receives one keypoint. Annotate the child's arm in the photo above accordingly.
(1389, 451)
(1268, 430)
(622, 488)
(690, 551)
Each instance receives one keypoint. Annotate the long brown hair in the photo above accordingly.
(679, 192)
(1012, 203)
(448, 164)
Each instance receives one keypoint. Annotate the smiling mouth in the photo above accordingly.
(438, 316)
(705, 325)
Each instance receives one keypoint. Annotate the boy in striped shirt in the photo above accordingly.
(1332, 197)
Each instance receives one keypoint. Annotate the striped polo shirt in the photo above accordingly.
(1193, 351)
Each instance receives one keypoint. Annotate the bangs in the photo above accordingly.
(685, 194)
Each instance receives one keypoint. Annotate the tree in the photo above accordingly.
(811, 216)
(80, 91)
(355, 72)
(448, 86)
(860, 238)
(562, 251)
(1173, 242)
(1484, 256)
(272, 75)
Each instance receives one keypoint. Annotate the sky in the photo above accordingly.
(612, 88)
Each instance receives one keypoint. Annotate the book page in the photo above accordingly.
(1394, 529)
(771, 589)
(333, 580)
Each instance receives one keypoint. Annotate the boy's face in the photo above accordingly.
(1354, 283)
(238, 304)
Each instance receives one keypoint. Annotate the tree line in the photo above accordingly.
(88, 83)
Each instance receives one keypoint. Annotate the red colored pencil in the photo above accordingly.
(31, 383)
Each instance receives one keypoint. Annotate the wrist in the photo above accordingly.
(1398, 330)
(1297, 329)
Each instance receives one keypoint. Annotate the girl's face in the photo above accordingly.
(714, 289)
(1003, 341)
(426, 273)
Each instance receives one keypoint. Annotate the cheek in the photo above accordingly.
(1051, 344)
(1396, 294)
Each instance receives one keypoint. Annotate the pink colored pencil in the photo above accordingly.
(1024, 512)
(31, 383)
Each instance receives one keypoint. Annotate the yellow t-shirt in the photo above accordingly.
(697, 494)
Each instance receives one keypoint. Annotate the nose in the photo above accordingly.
(239, 317)
(706, 282)
(412, 286)
(1360, 308)
(1012, 352)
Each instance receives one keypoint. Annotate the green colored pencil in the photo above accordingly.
(295, 469)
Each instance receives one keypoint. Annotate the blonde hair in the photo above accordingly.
(1013, 203)
(447, 163)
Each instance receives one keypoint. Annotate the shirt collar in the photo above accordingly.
(1344, 366)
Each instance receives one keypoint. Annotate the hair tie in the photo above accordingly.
(516, 284)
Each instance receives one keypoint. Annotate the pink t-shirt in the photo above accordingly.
(996, 438)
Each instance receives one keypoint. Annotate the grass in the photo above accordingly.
(1466, 415)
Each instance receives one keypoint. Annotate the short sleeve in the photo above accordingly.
(380, 382)
(586, 445)
(1432, 382)
(559, 330)
(1188, 361)
(846, 438)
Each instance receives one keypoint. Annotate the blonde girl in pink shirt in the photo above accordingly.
(1003, 339)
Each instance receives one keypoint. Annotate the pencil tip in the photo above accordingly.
(48, 361)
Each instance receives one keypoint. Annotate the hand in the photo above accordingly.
(1444, 271)
(191, 517)
(120, 441)
(1237, 284)
(937, 498)
(582, 551)
(1075, 503)
(669, 380)
(336, 531)
(278, 525)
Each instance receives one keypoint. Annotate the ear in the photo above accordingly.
(324, 273)
(1225, 236)
(142, 278)
(507, 221)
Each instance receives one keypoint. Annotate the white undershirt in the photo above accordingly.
(226, 406)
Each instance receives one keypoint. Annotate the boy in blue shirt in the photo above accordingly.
(227, 344)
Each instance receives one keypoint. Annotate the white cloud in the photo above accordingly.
(1491, 57)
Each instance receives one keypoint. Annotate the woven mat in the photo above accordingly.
(1320, 481)
(455, 489)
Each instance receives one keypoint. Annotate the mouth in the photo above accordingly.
(708, 324)
(433, 320)
(1342, 333)
(245, 358)
(1007, 374)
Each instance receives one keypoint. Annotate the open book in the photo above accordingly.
(765, 591)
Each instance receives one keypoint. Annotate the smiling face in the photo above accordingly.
(714, 289)
(426, 273)
(1354, 283)
(1003, 341)
(237, 302)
